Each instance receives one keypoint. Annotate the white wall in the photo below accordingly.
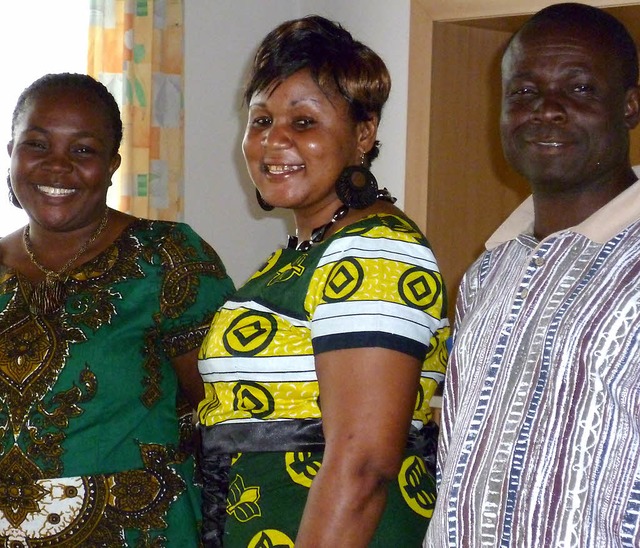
(220, 39)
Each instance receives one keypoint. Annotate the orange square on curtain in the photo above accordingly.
(170, 153)
(105, 50)
(154, 142)
(141, 125)
(172, 55)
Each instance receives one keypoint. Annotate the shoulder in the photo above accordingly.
(384, 233)
(12, 253)
(490, 266)
(182, 243)
(156, 232)
(391, 225)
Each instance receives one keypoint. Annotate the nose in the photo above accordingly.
(549, 107)
(276, 137)
(57, 161)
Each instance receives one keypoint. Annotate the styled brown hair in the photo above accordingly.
(333, 58)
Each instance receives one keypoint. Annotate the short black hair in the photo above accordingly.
(69, 80)
(605, 28)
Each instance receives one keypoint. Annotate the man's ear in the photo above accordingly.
(632, 107)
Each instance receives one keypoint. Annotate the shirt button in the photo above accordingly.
(523, 293)
(539, 261)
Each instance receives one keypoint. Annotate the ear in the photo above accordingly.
(632, 107)
(367, 133)
(114, 165)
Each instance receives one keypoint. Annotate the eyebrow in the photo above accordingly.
(76, 135)
(293, 103)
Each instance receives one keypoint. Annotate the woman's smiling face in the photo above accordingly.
(298, 140)
(62, 158)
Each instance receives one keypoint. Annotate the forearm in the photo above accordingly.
(342, 510)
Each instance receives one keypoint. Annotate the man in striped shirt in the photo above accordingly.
(540, 442)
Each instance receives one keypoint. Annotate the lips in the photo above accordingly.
(547, 139)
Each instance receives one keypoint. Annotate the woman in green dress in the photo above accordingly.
(318, 372)
(101, 318)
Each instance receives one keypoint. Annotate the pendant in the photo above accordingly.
(48, 296)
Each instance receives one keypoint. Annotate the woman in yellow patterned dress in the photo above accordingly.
(318, 372)
(101, 316)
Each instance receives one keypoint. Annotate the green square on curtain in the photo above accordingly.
(142, 8)
(142, 185)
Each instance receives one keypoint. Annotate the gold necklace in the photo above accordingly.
(48, 296)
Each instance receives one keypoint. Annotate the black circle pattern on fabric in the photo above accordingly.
(253, 398)
(344, 280)
(250, 333)
(420, 288)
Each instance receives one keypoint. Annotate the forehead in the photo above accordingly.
(296, 89)
(71, 105)
(62, 95)
(560, 45)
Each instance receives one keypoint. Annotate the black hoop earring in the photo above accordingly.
(356, 187)
(12, 195)
(262, 203)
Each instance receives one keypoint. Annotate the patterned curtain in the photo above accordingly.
(136, 50)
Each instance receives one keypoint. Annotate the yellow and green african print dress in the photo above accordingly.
(374, 283)
(90, 440)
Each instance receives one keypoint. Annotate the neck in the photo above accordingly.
(50, 251)
(318, 233)
(556, 211)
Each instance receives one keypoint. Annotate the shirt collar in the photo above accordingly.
(600, 226)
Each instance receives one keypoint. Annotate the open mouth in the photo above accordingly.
(55, 191)
(282, 169)
(552, 144)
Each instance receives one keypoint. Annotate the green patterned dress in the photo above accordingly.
(92, 449)
(374, 283)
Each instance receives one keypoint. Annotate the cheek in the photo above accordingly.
(250, 148)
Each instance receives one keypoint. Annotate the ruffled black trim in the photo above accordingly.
(215, 475)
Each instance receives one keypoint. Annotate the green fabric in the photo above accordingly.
(266, 503)
(374, 283)
(89, 394)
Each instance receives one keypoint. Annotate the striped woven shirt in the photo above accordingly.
(540, 444)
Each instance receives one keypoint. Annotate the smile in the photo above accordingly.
(282, 169)
(554, 144)
(55, 191)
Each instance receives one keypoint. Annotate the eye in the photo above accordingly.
(260, 122)
(303, 123)
(524, 90)
(583, 88)
(83, 149)
(34, 144)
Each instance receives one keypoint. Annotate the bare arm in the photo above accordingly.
(186, 367)
(367, 399)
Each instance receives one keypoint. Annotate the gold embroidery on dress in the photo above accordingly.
(35, 504)
(89, 510)
(179, 291)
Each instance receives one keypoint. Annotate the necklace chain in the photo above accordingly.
(58, 274)
(318, 233)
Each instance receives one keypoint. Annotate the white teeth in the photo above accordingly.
(551, 144)
(55, 191)
(281, 169)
